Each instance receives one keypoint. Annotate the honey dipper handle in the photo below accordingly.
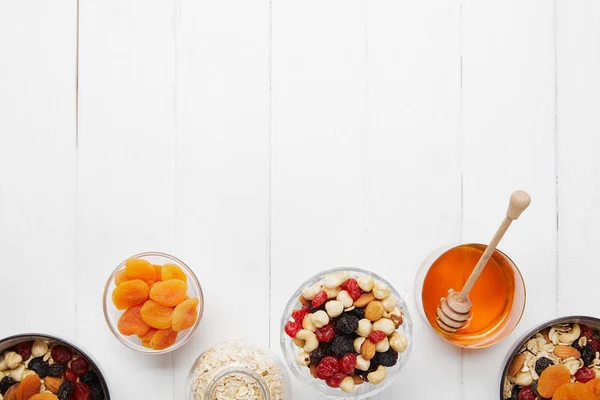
(519, 201)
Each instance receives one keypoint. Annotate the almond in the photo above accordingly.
(357, 379)
(304, 301)
(516, 364)
(364, 299)
(374, 311)
(546, 334)
(564, 352)
(313, 370)
(368, 349)
(52, 383)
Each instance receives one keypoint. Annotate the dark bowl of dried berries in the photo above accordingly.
(559, 359)
(346, 333)
(43, 367)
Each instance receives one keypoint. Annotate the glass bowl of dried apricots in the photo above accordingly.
(153, 303)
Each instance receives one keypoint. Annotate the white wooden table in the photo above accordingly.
(262, 141)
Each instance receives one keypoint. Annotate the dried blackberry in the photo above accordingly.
(346, 323)
(320, 352)
(56, 369)
(362, 374)
(514, 395)
(91, 378)
(541, 364)
(65, 390)
(343, 344)
(39, 366)
(5, 384)
(96, 393)
(315, 309)
(387, 358)
(359, 312)
(373, 365)
(588, 354)
(534, 386)
(576, 345)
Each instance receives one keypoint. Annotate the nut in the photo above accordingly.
(311, 341)
(299, 342)
(383, 346)
(302, 358)
(570, 336)
(564, 352)
(334, 308)
(313, 370)
(27, 373)
(358, 343)
(308, 324)
(365, 282)
(3, 366)
(335, 280)
(381, 290)
(362, 364)
(524, 379)
(368, 349)
(320, 319)
(357, 379)
(332, 292)
(309, 292)
(365, 327)
(13, 360)
(374, 311)
(397, 317)
(363, 300)
(377, 376)
(52, 384)
(389, 303)
(516, 364)
(545, 334)
(39, 348)
(385, 325)
(304, 301)
(17, 373)
(345, 298)
(398, 342)
(347, 385)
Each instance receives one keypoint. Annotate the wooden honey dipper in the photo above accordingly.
(455, 309)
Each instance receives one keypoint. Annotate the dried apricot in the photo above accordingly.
(131, 322)
(137, 268)
(156, 315)
(594, 387)
(185, 314)
(163, 338)
(169, 293)
(130, 293)
(551, 378)
(573, 391)
(158, 271)
(121, 277)
(44, 396)
(147, 337)
(28, 387)
(11, 393)
(172, 271)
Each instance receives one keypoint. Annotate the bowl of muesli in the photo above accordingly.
(557, 360)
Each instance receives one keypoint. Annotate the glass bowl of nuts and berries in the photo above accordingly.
(43, 367)
(557, 360)
(346, 333)
(153, 303)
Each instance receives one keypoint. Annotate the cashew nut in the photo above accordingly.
(17, 373)
(27, 373)
(347, 385)
(524, 379)
(383, 346)
(345, 298)
(320, 319)
(3, 366)
(389, 303)
(332, 292)
(365, 282)
(303, 359)
(377, 376)
(358, 342)
(335, 280)
(381, 290)
(570, 336)
(398, 342)
(311, 341)
(39, 348)
(362, 364)
(299, 342)
(334, 308)
(308, 324)
(385, 325)
(13, 360)
(365, 327)
(310, 292)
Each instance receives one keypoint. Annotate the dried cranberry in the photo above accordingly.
(298, 315)
(351, 286)
(585, 331)
(79, 366)
(292, 328)
(326, 333)
(70, 376)
(327, 367)
(319, 299)
(347, 363)
(81, 392)
(527, 393)
(336, 380)
(24, 350)
(585, 374)
(377, 336)
(61, 354)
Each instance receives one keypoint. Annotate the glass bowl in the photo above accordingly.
(112, 314)
(302, 373)
(591, 322)
(11, 341)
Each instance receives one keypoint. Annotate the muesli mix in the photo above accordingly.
(560, 362)
(346, 328)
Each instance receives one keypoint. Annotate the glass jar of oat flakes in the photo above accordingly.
(237, 370)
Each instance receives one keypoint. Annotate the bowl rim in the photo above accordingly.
(283, 338)
(191, 330)
(523, 339)
(93, 363)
